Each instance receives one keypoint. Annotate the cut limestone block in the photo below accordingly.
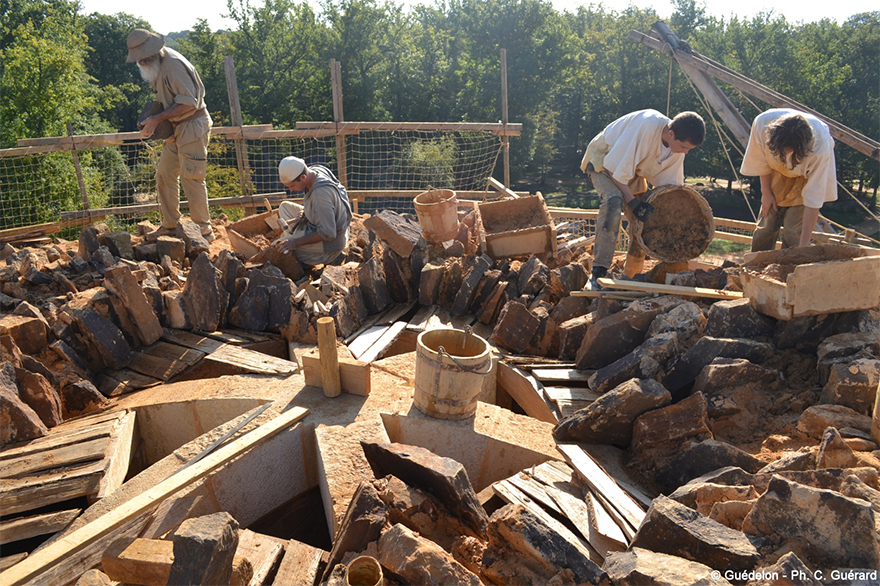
(796, 282)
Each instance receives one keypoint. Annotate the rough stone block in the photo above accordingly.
(420, 561)
(29, 333)
(80, 398)
(204, 548)
(698, 459)
(659, 434)
(738, 318)
(645, 362)
(533, 276)
(515, 328)
(638, 566)
(840, 530)
(401, 234)
(37, 392)
(120, 281)
(374, 288)
(20, 422)
(118, 243)
(672, 528)
(430, 278)
(609, 419)
(816, 419)
(444, 478)
(689, 366)
(173, 248)
(205, 296)
(853, 384)
(462, 302)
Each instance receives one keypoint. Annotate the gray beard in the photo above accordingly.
(150, 71)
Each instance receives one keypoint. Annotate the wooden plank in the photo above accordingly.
(113, 383)
(251, 361)
(69, 546)
(135, 560)
(564, 375)
(571, 394)
(53, 441)
(602, 484)
(20, 528)
(498, 186)
(513, 495)
(376, 350)
(158, 366)
(611, 294)
(420, 319)
(169, 515)
(118, 455)
(170, 351)
(33, 492)
(63, 456)
(354, 375)
(190, 340)
(535, 490)
(396, 312)
(299, 564)
(524, 393)
(262, 551)
(604, 524)
(670, 289)
(363, 342)
(11, 560)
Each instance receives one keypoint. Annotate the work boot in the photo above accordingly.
(161, 231)
(593, 284)
(207, 232)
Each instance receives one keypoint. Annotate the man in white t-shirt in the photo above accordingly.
(793, 154)
(639, 148)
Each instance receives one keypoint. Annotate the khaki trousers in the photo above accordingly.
(608, 222)
(790, 220)
(188, 165)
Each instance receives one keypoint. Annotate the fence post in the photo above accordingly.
(76, 165)
(341, 159)
(505, 140)
(244, 168)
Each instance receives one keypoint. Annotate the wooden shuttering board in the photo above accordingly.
(20, 528)
(224, 353)
(67, 455)
(603, 485)
(669, 289)
(49, 487)
(526, 393)
(262, 551)
(569, 400)
(51, 560)
(561, 375)
(299, 564)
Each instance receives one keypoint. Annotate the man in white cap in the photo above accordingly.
(317, 231)
(184, 158)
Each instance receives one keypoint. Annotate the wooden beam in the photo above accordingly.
(54, 486)
(69, 455)
(856, 140)
(354, 375)
(498, 186)
(45, 559)
(133, 560)
(511, 129)
(668, 289)
(21, 528)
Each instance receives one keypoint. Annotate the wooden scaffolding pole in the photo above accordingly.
(336, 86)
(244, 170)
(505, 140)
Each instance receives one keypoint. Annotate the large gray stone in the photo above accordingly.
(816, 419)
(118, 243)
(686, 319)
(120, 281)
(37, 392)
(80, 398)
(533, 276)
(640, 567)
(205, 295)
(672, 528)
(701, 458)
(845, 348)
(737, 318)
(788, 570)
(191, 234)
(251, 311)
(645, 362)
(523, 549)
(659, 434)
(515, 328)
(463, 299)
(692, 362)
(834, 452)
(444, 478)
(840, 530)
(609, 419)
(204, 548)
(371, 279)
(615, 336)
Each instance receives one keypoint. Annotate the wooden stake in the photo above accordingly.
(330, 378)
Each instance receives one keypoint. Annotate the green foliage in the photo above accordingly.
(427, 164)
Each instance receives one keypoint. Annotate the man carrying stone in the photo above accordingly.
(639, 148)
(793, 154)
(318, 230)
(184, 158)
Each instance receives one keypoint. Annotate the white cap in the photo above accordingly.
(290, 168)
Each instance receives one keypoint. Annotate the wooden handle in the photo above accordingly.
(329, 359)
(267, 204)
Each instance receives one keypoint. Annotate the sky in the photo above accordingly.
(168, 16)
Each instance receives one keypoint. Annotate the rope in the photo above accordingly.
(721, 137)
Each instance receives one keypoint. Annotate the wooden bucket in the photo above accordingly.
(681, 228)
(437, 210)
(451, 368)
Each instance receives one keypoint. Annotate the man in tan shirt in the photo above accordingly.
(184, 158)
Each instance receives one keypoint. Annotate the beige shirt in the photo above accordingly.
(812, 182)
(631, 150)
(178, 82)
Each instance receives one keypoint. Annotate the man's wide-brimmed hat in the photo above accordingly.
(143, 43)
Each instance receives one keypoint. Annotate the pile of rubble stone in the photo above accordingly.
(756, 430)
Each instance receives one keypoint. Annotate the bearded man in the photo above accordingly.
(184, 158)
